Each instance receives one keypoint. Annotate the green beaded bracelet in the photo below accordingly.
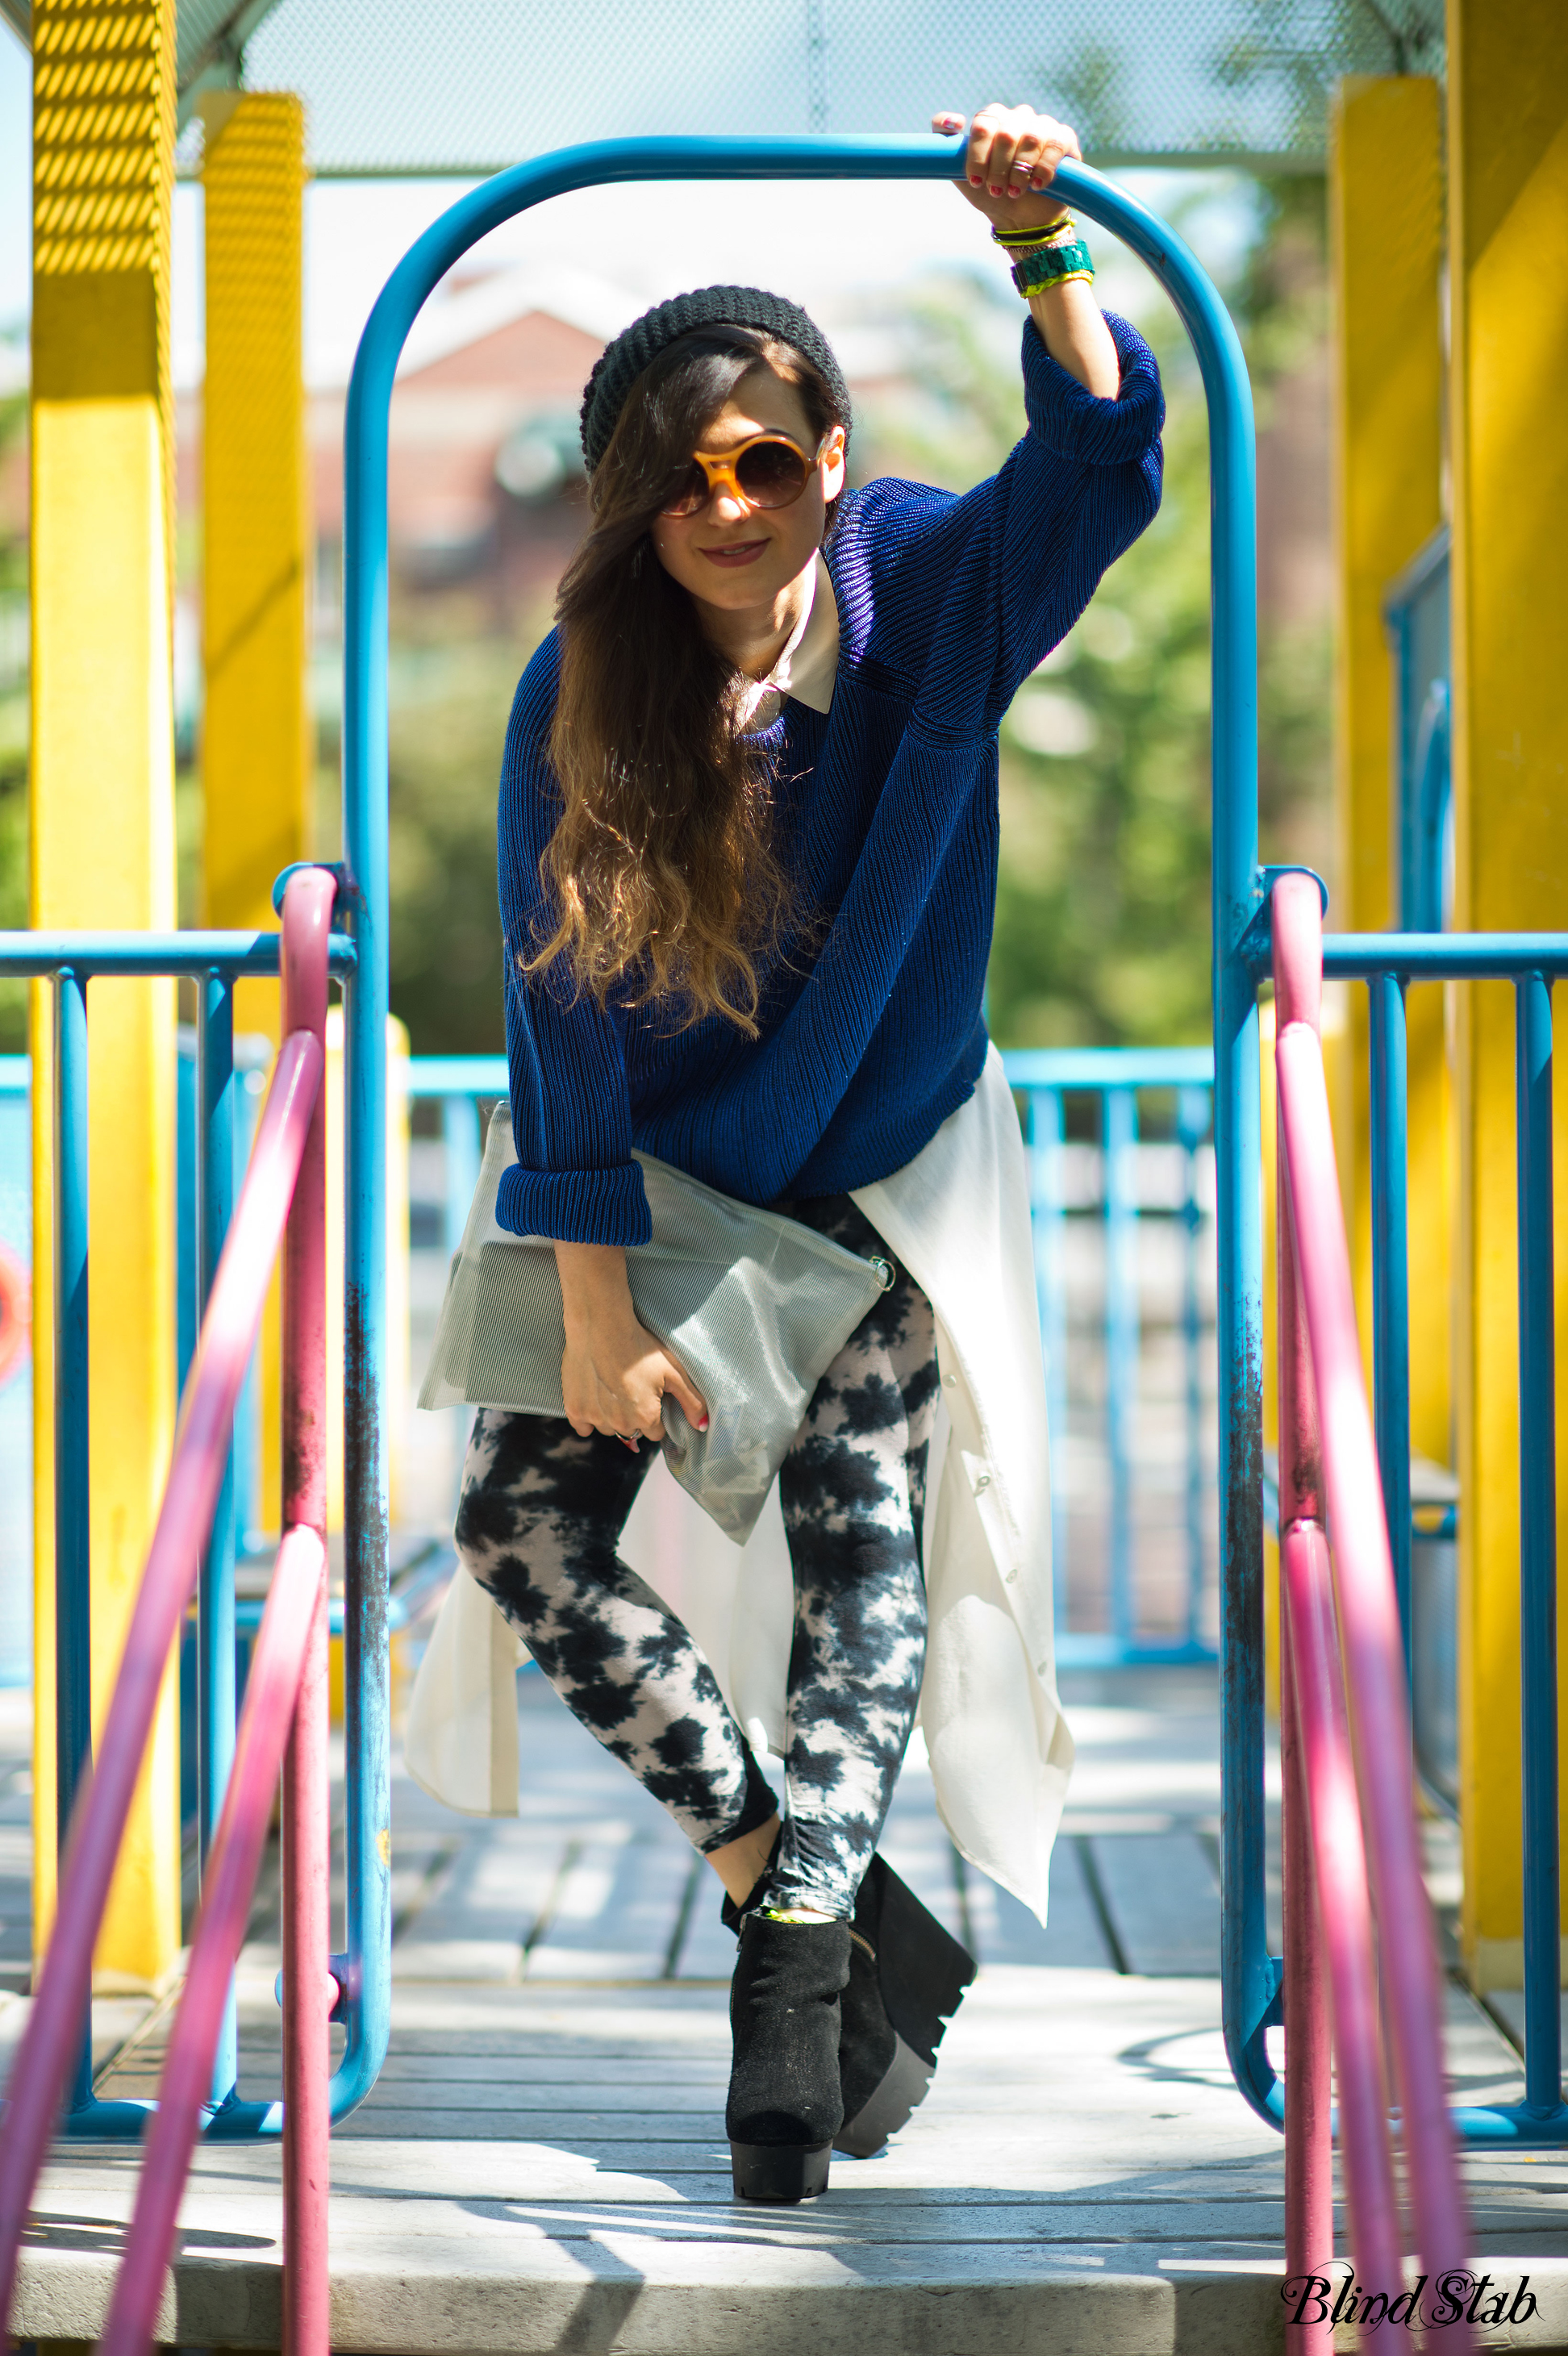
(1049, 265)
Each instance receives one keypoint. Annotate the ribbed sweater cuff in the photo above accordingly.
(1073, 422)
(575, 1206)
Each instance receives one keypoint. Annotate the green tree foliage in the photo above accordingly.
(1102, 906)
(449, 706)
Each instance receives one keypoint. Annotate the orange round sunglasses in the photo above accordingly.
(767, 471)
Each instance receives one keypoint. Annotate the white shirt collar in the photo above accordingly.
(808, 664)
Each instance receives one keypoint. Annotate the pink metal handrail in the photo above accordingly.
(298, 1580)
(286, 1701)
(1354, 1893)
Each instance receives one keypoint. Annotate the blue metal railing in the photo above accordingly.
(1117, 1076)
(1388, 963)
(16, 1379)
(213, 961)
(1250, 1977)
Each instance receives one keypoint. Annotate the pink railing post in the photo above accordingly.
(49, 2044)
(285, 1705)
(286, 1684)
(228, 1884)
(1350, 1677)
(1309, 2130)
(309, 1991)
(1330, 1959)
(1343, 1909)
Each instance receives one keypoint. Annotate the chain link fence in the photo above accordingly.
(399, 86)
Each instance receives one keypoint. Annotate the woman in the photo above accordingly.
(748, 835)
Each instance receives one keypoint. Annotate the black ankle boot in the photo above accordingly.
(907, 1978)
(785, 2107)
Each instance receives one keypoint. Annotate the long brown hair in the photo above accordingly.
(662, 872)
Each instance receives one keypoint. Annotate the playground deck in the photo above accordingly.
(542, 2164)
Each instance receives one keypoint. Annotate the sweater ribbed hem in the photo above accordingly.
(1074, 422)
(575, 1206)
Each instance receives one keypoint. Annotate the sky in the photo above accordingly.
(828, 246)
(15, 165)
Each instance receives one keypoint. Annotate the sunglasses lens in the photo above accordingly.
(771, 474)
(691, 492)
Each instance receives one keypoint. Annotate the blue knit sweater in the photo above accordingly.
(887, 815)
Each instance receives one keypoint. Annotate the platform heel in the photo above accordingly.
(907, 1977)
(785, 2106)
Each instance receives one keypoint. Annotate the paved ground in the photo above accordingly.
(542, 2166)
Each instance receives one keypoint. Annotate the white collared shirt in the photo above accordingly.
(808, 664)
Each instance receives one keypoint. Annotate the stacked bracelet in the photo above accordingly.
(1016, 240)
(1051, 256)
(1039, 266)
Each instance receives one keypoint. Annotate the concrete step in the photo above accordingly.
(543, 2167)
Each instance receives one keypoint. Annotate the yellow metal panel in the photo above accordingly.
(102, 832)
(1507, 147)
(256, 750)
(1385, 233)
(255, 738)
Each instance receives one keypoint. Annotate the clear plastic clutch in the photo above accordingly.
(755, 1306)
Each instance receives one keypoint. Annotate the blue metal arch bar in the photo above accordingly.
(1250, 1979)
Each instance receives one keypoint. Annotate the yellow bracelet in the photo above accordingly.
(1059, 232)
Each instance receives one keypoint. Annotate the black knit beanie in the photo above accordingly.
(620, 364)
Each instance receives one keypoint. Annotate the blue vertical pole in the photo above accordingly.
(216, 1095)
(1046, 1221)
(1119, 1132)
(74, 1537)
(1390, 1274)
(1538, 1544)
(1192, 1128)
(461, 1147)
(245, 1451)
(1247, 1977)
(187, 1186)
(367, 1832)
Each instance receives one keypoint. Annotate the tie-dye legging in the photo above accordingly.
(538, 1525)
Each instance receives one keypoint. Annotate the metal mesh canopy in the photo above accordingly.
(466, 86)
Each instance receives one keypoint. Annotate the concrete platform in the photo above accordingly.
(542, 2165)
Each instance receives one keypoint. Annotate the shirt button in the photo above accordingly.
(983, 1482)
(1011, 1577)
(950, 1382)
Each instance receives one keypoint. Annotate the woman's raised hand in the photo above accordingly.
(614, 1373)
(1010, 163)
